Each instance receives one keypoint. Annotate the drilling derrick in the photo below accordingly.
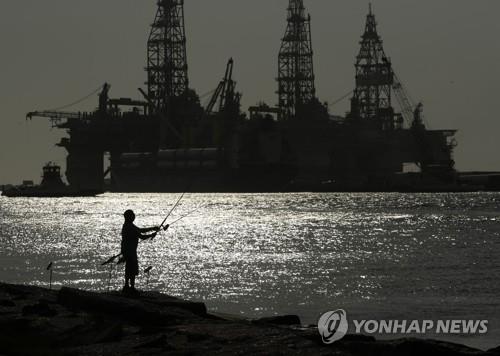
(296, 73)
(167, 59)
(371, 101)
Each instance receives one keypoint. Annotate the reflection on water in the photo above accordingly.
(421, 256)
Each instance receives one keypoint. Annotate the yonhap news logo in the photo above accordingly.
(333, 326)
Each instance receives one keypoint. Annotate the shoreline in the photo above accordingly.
(38, 321)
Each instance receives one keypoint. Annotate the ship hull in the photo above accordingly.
(34, 192)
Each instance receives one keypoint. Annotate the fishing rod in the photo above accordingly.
(111, 260)
(173, 208)
(181, 218)
(49, 268)
(162, 225)
(147, 271)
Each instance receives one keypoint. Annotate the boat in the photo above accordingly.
(52, 186)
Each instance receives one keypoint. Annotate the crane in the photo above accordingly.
(57, 115)
(410, 111)
(225, 93)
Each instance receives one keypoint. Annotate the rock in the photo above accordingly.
(429, 347)
(40, 309)
(128, 309)
(92, 333)
(22, 292)
(312, 334)
(157, 342)
(163, 300)
(279, 320)
(406, 347)
(7, 303)
(19, 336)
(159, 311)
(495, 351)
(358, 338)
(88, 323)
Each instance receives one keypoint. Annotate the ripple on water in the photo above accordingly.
(377, 255)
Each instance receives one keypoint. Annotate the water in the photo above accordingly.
(379, 256)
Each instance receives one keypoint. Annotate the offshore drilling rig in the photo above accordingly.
(168, 140)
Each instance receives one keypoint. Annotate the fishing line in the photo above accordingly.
(173, 208)
(186, 215)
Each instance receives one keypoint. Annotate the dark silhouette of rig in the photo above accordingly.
(169, 139)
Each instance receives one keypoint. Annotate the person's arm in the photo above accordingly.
(150, 236)
(153, 235)
(149, 229)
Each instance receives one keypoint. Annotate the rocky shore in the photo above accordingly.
(37, 321)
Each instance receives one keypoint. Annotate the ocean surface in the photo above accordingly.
(378, 256)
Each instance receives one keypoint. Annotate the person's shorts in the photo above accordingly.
(131, 266)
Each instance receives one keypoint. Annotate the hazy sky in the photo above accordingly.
(53, 52)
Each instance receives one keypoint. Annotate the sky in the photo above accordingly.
(53, 52)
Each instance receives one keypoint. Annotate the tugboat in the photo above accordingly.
(52, 186)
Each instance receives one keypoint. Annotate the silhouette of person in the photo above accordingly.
(130, 239)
